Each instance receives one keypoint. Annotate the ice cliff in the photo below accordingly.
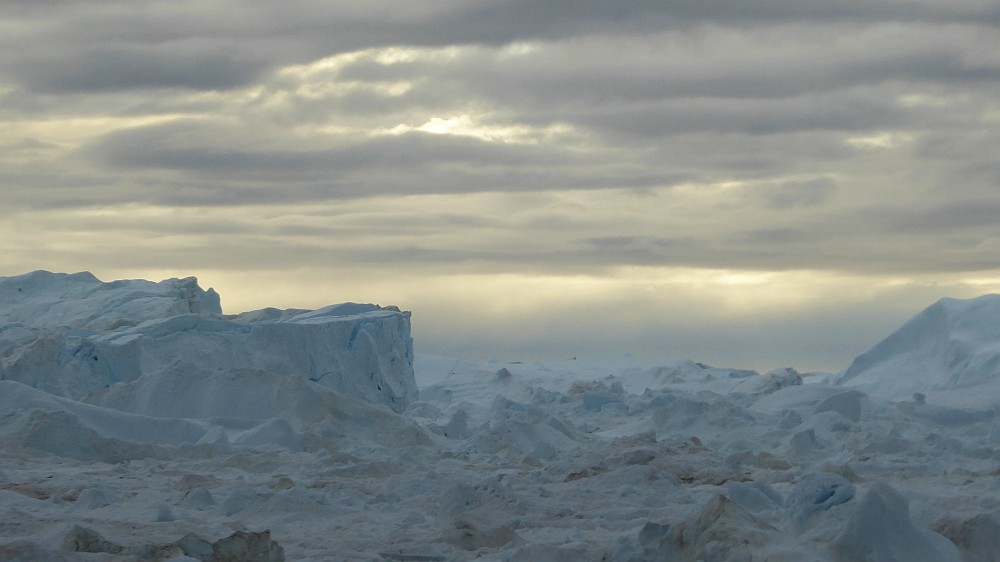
(129, 342)
(951, 346)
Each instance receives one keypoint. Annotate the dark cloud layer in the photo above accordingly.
(155, 147)
(126, 68)
(143, 35)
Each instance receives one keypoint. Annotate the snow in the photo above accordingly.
(319, 435)
(880, 530)
(42, 299)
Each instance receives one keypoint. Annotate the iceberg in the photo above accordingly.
(954, 344)
(77, 337)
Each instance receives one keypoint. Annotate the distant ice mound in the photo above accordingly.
(953, 344)
(75, 336)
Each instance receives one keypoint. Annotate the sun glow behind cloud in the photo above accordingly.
(649, 311)
(245, 254)
(322, 78)
(466, 126)
(883, 140)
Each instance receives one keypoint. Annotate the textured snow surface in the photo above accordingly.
(206, 442)
(42, 299)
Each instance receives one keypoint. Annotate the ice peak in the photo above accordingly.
(952, 344)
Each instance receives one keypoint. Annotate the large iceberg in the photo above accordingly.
(77, 337)
(951, 346)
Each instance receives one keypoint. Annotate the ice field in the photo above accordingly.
(139, 422)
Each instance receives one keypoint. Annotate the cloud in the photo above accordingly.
(88, 45)
(953, 218)
(790, 194)
(115, 69)
(188, 146)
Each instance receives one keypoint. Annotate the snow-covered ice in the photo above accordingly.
(138, 422)
(951, 350)
(73, 336)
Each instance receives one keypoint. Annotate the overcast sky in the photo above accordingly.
(759, 183)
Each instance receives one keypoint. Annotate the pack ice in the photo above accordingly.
(138, 422)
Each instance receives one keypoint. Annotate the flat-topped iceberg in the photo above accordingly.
(75, 336)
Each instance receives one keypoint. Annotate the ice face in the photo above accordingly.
(952, 345)
(72, 335)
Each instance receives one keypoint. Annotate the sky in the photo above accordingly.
(758, 184)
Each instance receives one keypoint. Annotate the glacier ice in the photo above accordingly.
(951, 345)
(74, 336)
